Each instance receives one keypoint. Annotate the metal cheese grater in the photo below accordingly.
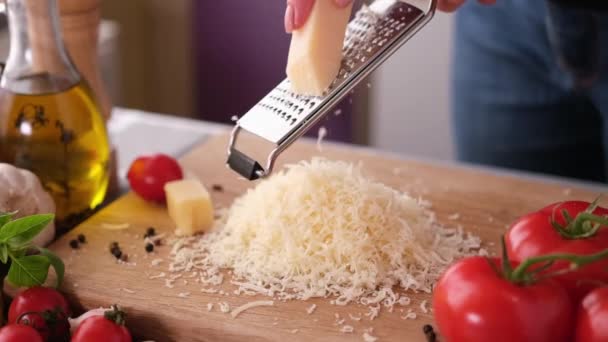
(281, 117)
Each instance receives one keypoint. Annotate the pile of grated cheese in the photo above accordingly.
(323, 229)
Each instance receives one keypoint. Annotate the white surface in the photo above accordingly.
(409, 105)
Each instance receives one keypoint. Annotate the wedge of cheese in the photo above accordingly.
(189, 206)
(315, 53)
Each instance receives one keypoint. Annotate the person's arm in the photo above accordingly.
(297, 11)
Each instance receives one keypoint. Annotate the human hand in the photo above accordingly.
(298, 11)
(452, 5)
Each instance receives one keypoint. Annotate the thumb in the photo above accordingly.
(297, 13)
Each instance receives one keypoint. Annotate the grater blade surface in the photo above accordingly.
(281, 117)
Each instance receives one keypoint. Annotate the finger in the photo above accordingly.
(297, 13)
(343, 3)
(449, 5)
(289, 18)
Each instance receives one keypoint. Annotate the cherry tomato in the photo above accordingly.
(101, 329)
(44, 309)
(592, 322)
(534, 234)
(149, 174)
(20, 333)
(473, 302)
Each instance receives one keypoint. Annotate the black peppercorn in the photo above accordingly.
(82, 238)
(116, 252)
(150, 232)
(113, 245)
(149, 247)
(74, 244)
(429, 332)
(217, 187)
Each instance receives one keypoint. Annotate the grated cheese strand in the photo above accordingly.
(224, 307)
(423, 307)
(115, 226)
(369, 338)
(320, 136)
(354, 318)
(347, 329)
(311, 309)
(250, 305)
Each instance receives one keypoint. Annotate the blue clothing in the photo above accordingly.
(530, 87)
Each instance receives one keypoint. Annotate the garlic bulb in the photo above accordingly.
(21, 191)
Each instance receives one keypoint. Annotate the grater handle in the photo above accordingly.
(244, 165)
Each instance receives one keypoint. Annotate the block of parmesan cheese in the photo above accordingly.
(315, 52)
(189, 206)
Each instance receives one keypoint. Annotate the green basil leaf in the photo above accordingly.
(3, 253)
(23, 230)
(57, 264)
(30, 270)
(6, 217)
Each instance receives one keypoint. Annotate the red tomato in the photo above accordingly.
(44, 309)
(19, 332)
(148, 176)
(472, 302)
(592, 322)
(534, 235)
(101, 329)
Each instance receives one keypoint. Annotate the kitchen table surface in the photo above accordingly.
(162, 308)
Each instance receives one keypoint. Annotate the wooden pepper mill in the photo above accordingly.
(80, 20)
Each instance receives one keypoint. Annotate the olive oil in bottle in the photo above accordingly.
(50, 122)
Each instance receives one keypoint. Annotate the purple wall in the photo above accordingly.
(241, 51)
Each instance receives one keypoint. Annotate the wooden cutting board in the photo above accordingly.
(484, 202)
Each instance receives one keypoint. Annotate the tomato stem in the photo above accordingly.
(520, 273)
(116, 315)
(584, 225)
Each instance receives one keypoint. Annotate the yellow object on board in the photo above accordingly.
(315, 53)
(189, 206)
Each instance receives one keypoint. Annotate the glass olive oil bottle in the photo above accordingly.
(50, 122)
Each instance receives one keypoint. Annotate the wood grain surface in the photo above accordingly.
(485, 202)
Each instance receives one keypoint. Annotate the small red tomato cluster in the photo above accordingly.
(41, 314)
(550, 285)
(148, 175)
